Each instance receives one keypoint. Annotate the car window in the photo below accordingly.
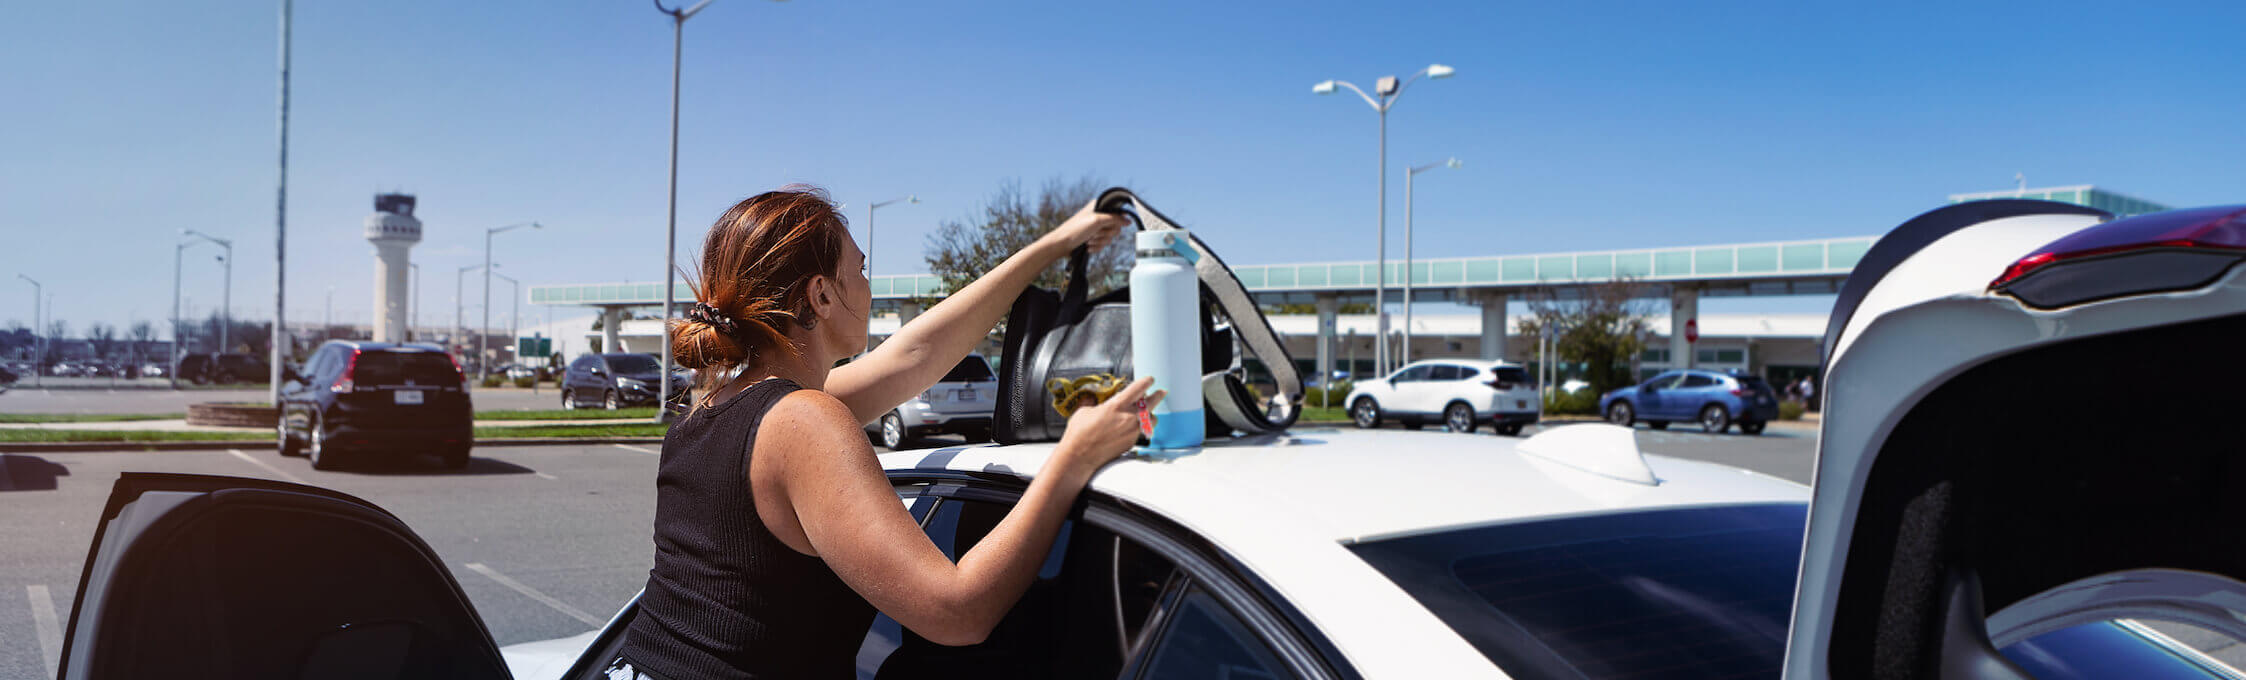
(1511, 375)
(393, 368)
(2105, 649)
(1692, 380)
(970, 369)
(1203, 640)
(1444, 372)
(1411, 374)
(1692, 592)
(632, 363)
(1066, 625)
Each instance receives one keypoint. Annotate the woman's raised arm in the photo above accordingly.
(921, 352)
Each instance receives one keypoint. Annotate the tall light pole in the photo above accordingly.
(514, 290)
(38, 334)
(483, 367)
(226, 302)
(1405, 356)
(1386, 90)
(869, 227)
(178, 343)
(459, 303)
(280, 227)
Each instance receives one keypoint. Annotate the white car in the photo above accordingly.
(1980, 510)
(960, 403)
(1461, 394)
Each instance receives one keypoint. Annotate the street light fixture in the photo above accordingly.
(178, 343)
(482, 370)
(1404, 355)
(39, 334)
(226, 302)
(1388, 89)
(670, 231)
(909, 198)
(459, 325)
(514, 290)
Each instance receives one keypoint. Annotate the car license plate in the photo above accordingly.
(963, 395)
(407, 396)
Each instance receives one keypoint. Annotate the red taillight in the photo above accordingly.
(457, 370)
(2199, 229)
(1738, 392)
(1499, 385)
(344, 383)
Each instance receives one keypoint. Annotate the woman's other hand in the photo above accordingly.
(1089, 227)
(1098, 434)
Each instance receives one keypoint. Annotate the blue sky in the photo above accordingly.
(1583, 125)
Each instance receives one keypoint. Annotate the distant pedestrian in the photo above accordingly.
(1808, 391)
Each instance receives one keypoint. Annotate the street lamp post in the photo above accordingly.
(1386, 91)
(483, 369)
(869, 227)
(459, 323)
(1404, 356)
(514, 290)
(38, 334)
(178, 344)
(226, 302)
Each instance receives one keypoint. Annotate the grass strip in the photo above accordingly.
(21, 436)
(1323, 414)
(85, 417)
(542, 431)
(562, 414)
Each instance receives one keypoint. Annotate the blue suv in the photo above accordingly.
(1715, 400)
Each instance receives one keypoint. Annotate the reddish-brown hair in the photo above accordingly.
(756, 267)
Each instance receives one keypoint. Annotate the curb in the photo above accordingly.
(213, 445)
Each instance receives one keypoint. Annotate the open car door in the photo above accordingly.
(2030, 430)
(220, 577)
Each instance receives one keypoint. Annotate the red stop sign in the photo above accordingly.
(1692, 330)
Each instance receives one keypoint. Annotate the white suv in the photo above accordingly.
(1459, 393)
(960, 403)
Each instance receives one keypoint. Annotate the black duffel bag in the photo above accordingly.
(1061, 335)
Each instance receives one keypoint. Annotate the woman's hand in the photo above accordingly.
(1089, 227)
(1098, 434)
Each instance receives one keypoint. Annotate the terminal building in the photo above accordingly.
(1674, 279)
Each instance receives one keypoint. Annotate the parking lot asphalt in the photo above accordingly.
(24, 398)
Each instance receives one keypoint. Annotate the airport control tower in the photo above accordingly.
(393, 231)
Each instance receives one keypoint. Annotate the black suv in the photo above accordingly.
(353, 398)
(224, 369)
(616, 380)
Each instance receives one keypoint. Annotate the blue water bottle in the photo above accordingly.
(1166, 334)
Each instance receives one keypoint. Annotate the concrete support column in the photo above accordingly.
(610, 319)
(1684, 307)
(907, 310)
(1493, 326)
(1329, 311)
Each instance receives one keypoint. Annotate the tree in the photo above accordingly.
(56, 330)
(104, 339)
(143, 335)
(963, 250)
(1603, 328)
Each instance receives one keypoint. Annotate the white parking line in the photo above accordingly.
(532, 593)
(544, 476)
(50, 627)
(268, 468)
(641, 449)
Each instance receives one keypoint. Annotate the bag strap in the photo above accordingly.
(1248, 322)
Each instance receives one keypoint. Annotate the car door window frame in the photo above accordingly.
(1282, 629)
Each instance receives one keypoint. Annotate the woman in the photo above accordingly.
(777, 536)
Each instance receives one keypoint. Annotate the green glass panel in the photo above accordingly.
(1484, 271)
(1394, 274)
(1633, 264)
(1251, 277)
(611, 293)
(1310, 275)
(571, 294)
(883, 286)
(1672, 263)
(931, 285)
(1758, 259)
(1419, 273)
(1446, 272)
(1520, 269)
(1348, 275)
(1805, 256)
(1844, 254)
(648, 292)
(1281, 277)
(1555, 268)
(1594, 266)
(1711, 261)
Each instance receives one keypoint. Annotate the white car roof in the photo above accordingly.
(1288, 506)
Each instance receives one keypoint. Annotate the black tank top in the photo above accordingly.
(726, 598)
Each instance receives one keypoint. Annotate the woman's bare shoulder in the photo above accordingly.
(811, 417)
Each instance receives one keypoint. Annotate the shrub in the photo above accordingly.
(1579, 402)
(1326, 397)
(526, 381)
(1790, 410)
(493, 381)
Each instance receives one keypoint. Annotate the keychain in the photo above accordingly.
(1069, 394)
